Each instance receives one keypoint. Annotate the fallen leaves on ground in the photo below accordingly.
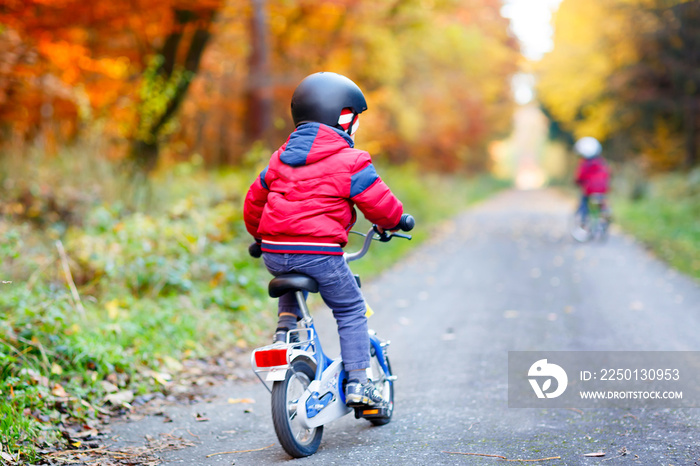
(120, 398)
(504, 458)
(239, 451)
(105, 456)
(234, 401)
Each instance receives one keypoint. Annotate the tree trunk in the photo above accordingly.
(691, 133)
(145, 152)
(259, 101)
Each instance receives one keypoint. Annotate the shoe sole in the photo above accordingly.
(355, 401)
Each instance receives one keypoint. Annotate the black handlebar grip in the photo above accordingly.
(407, 222)
(255, 250)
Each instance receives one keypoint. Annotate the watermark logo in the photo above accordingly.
(547, 371)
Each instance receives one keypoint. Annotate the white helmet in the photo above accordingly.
(588, 147)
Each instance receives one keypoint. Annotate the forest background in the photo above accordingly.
(130, 132)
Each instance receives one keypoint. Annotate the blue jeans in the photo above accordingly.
(583, 208)
(339, 291)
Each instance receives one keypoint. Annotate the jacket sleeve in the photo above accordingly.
(372, 196)
(254, 204)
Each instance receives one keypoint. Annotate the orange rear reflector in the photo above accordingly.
(370, 411)
(271, 358)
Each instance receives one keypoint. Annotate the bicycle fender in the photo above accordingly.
(276, 375)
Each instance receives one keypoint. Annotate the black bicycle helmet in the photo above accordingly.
(322, 96)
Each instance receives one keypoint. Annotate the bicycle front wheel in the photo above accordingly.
(294, 438)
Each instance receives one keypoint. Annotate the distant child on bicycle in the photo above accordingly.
(301, 208)
(592, 175)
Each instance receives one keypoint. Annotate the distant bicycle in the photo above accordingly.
(594, 225)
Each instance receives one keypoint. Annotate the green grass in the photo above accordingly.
(162, 277)
(667, 219)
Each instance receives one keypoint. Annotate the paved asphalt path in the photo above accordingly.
(503, 276)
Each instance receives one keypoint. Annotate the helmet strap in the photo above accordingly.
(353, 122)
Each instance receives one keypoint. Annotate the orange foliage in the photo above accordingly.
(72, 56)
(436, 73)
(436, 76)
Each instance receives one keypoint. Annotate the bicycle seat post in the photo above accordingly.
(306, 315)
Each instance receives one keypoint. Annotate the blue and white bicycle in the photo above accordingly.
(307, 386)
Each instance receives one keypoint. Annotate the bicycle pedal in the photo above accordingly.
(371, 412)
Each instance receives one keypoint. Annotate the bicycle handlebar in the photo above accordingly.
(406, 223)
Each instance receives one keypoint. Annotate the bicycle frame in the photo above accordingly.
(595, 225)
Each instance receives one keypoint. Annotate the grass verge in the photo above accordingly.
(667, 219)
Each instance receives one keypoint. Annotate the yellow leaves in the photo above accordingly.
(112, 309)
(592, 40)
(664, 149)
(234, 401)
(120, 398)
(172, 364)
(163, 378)
(56, 369)
(216, 280)
(599, 120)
(59, 391)
(109, 387)
(182, 207)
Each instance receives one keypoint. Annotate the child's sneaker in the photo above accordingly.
(281, 336)
(357, 394)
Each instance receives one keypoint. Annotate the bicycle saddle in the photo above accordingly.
(291, 282)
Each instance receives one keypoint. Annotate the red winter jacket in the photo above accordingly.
(303, 201)
(593, 176)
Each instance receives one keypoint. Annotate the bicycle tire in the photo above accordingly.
(296, 441)
(580, 231)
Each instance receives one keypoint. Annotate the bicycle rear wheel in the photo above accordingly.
(598, 219)
(294, 438)
(580, 229)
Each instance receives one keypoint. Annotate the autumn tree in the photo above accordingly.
(130, 65)
(436, 75)
(625, 71)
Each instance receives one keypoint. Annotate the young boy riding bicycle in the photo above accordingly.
(592, 175)
(301, 208)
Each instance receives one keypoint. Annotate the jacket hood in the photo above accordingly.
(312, 142)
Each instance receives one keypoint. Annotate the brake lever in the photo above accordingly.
(384, 237)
